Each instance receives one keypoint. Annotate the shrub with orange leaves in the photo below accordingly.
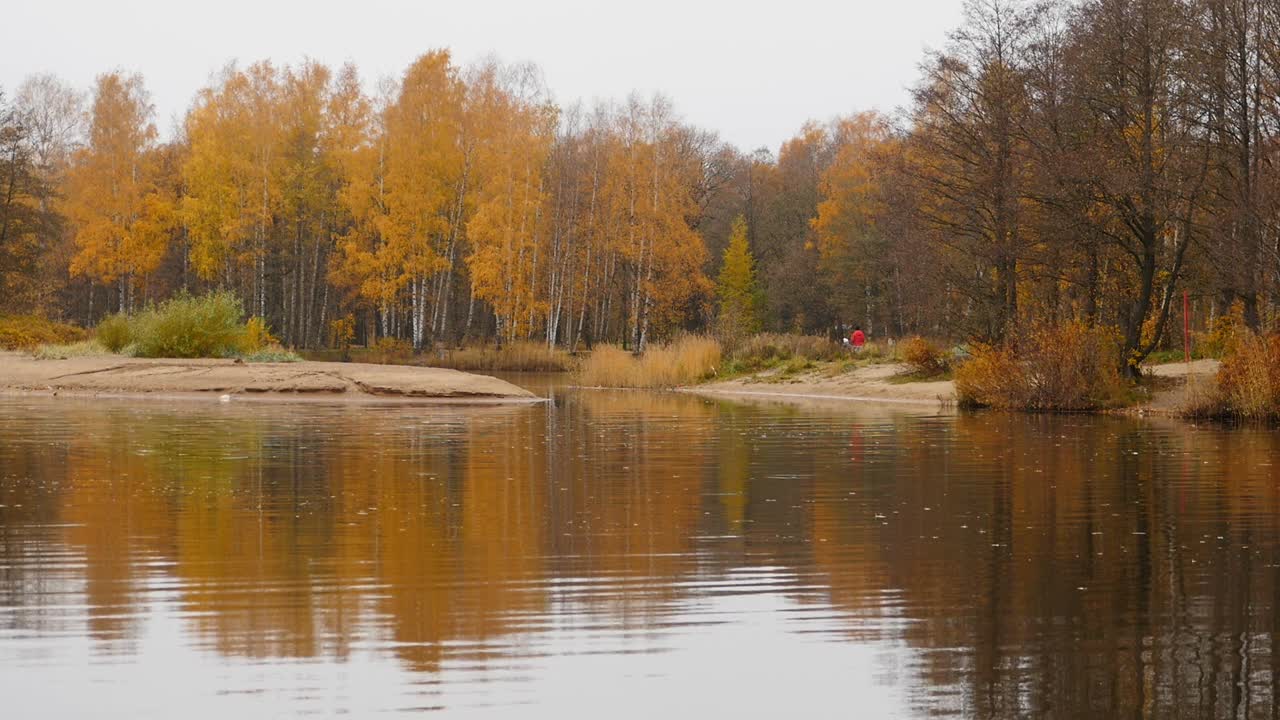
(1248, 383)
(26, 332)
(924, 356)
(1068, 367)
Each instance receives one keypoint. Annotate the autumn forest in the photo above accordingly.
(1084, 160)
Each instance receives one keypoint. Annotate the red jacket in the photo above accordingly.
(858, 338)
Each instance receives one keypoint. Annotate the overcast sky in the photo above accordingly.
(753, 71)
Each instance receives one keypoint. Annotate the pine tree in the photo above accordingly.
(736, 287)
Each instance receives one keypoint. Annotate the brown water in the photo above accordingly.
(630, 555)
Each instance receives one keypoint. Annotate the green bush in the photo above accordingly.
(113, 333)
(189, 327)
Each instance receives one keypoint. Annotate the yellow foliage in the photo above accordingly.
(392, 351)
(123, 218)
(26, 332)
(1224, 333)
(849, 187)
(647, 200)
(515, 127)
(342, 331)
(257, 336)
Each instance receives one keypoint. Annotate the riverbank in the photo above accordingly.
(114, 375)
(890, 383)
(881, 383)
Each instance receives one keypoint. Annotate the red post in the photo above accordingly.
(1186, 326)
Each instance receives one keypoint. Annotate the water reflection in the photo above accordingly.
(630, 553)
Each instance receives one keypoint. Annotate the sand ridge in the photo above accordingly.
(117, 375)
(872, 383)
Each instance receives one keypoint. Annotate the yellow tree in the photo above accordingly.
(516, 124)
(232, 197)
(853, 252)
(356, 145)
(647, 201)
(424, 165)
(308, 199)
(123, 219)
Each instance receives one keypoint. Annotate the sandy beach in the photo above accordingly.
(123, 376)
(874, 383)
(880, 384)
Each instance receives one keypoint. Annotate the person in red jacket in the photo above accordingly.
(858, 338)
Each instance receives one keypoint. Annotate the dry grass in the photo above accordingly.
(771, 350)
(1201, 399)
(770, 346)
(880, 352)
(687, 360)
(390, 351)
(1247, 386)
(63, 351)
(513, 357)
(1069, 367)
(271, 353)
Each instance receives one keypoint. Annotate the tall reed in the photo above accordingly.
(688, 360)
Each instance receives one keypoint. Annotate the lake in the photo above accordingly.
(631, 554)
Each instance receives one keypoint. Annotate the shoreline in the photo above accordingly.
(723, 392)
(113, 376)
(878, 384)
(871, 384)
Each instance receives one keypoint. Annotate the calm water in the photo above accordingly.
(630, 555)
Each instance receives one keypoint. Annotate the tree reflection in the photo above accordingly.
(1036, 565)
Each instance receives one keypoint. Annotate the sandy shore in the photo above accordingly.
(875, 383)
(878, 383)
(1169, 399)
(122, 376)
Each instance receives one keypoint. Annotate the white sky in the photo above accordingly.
(753, 71)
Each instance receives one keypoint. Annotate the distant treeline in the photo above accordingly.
(1059, 161)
